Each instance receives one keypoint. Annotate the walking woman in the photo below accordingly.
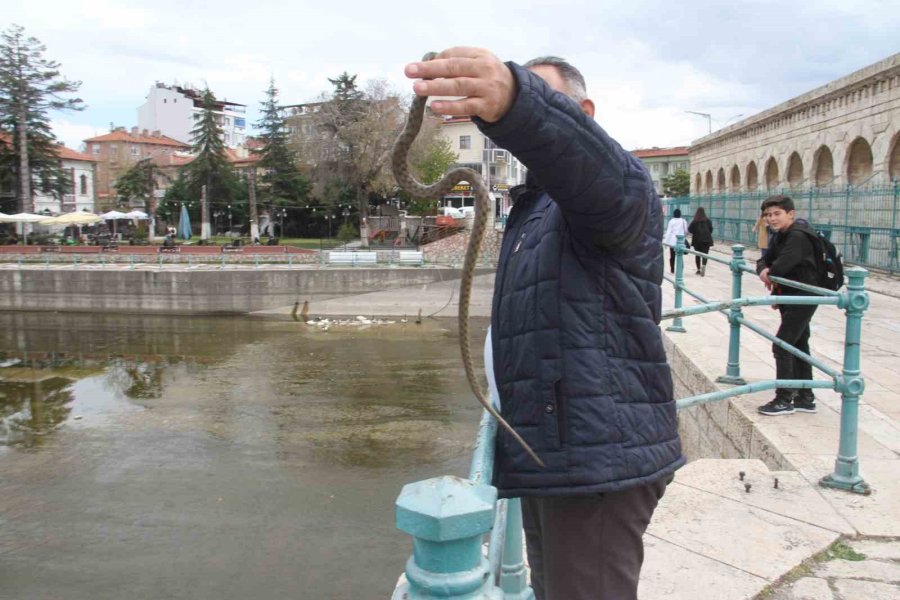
(701, 229)
(677, 226)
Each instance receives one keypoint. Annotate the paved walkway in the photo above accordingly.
(768, 533)
(711, 538)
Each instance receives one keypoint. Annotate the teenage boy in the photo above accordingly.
(791, 255)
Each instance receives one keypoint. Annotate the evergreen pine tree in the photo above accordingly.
(282, 184)
(30, 87)
(211, 166)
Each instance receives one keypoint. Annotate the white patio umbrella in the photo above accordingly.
(73, 218)
(23, 218)
(113, 216)
(137, 214)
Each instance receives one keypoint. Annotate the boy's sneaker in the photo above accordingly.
(805, 404)
(776, 407)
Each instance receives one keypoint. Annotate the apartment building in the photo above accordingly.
(118, 150)
(662, 162)
(173, 110)
(500, 169)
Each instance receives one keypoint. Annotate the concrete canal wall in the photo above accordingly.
(206, 290)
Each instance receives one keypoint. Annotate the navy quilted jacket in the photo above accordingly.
(578, 354)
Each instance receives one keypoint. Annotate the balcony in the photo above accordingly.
(69, 199)
(496, 155)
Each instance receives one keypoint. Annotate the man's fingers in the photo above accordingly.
(464, 107)
(457, 86)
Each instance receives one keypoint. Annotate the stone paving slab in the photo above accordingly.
(672, 572)
(753, 540)
(793, 498)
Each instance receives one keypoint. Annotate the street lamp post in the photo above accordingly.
(230, 227)
(702, 114)
(281, 229)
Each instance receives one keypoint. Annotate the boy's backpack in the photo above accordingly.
(831, 265)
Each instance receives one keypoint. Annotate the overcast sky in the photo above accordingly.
(645, 61)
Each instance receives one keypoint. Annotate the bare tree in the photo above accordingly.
(345, 141)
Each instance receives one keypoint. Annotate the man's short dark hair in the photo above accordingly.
(572, 76)
(783, 202)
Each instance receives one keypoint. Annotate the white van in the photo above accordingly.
(451, 211)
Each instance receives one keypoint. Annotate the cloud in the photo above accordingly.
(645, 61)
(73, 134)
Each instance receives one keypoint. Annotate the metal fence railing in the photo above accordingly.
(450, 517)
(863, 222)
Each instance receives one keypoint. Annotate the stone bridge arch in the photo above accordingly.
(752, 176)
(859, 161)
(795, 176)
(709, 182)
(893, 158)
(720, 180)
(772, 175)
(735, 178)
(823, 166)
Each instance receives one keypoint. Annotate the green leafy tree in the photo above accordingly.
(137, 182)
(429, 163)
(677, 184)
(30, 87)
(282, 183)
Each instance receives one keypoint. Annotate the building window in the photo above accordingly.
(113, 148)
(465, 142)
(164, 100)
(83, 184)
(95, 148)
(135, 150)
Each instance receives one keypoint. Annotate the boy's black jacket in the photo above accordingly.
(792, 255)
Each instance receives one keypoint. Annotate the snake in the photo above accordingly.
(407, 181)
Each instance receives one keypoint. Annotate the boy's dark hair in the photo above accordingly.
(677, 213)
(783, 202)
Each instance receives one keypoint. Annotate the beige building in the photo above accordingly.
(662, 162)
(844, 132)
(500, 169)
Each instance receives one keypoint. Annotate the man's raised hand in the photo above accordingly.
(485, 86)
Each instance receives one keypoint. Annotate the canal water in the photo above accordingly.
(170, 457)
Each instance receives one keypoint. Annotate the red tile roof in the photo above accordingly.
(654, 152)
(61, 151)
(69, 154)
(120, 135)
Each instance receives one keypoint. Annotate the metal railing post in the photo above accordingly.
(677, 325)
(851, 385)
(733, 369)
(513, 576)
(447, 517)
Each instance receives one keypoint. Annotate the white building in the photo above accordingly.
(80, 170)
(174, 110)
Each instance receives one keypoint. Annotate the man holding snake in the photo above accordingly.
(577, 349)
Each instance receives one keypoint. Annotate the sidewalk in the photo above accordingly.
(775, 530)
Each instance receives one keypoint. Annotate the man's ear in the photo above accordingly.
(587, 106)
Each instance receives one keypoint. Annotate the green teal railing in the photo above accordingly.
(849, 382)
(863, 222)
(449, 517)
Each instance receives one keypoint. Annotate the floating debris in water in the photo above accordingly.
(359, 322)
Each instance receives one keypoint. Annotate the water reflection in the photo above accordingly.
(218, 457)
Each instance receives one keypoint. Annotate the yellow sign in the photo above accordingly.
(461, 187)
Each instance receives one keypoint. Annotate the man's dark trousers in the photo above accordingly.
(794, 330)
(588, 547)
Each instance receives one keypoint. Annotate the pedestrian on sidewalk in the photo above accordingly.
(792, 255)
(701, 230)
(576, 345)
(677, 226)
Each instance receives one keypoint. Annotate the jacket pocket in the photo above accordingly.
(554, 416)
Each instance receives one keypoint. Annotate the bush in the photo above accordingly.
(347, 232)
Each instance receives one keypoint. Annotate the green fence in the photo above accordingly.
(863, 222)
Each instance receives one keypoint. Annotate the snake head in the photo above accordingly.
(429, 56)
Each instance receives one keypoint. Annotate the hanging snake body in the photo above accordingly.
(399, 163)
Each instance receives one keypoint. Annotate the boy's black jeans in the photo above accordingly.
(794, 330)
